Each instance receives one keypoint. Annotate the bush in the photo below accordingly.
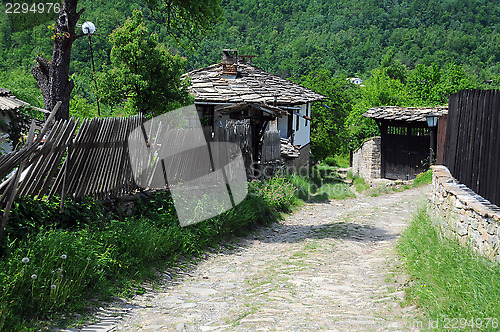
(330, 161)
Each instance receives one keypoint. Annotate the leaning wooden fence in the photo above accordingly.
(472, 149)
(91, 158)
(75, 159)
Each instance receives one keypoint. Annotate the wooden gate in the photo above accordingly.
(405, 152)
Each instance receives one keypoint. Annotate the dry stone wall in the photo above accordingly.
(464, 215)
(366, 161)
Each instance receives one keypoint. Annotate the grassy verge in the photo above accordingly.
(452, 285)
(55, 266)
(322, 185)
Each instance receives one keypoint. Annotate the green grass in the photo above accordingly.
(341, 161)
(323, 184)
(360, 184)
(335, 191)
(423, 178)
(448, 280)
(61, 264)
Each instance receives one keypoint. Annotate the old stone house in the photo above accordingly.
(9, 105)
(236, 89)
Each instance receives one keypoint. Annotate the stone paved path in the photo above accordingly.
(328, 267)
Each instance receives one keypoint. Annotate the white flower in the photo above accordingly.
(25, 260)
(64, 256)
(34, 276)
(53, 286)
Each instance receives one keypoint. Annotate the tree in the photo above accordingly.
(53, 76)
(143, 71)
(328, 134)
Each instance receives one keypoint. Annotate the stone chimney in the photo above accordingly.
(229, 64)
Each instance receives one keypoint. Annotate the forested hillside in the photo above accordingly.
(294, 37)
(408, 52)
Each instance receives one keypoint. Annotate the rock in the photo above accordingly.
(181, 327)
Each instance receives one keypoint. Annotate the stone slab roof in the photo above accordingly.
(251, 84)
(407, 114)
(8, 102)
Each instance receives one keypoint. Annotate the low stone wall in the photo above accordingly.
(464, 215)
(366, 161)
(303, 161)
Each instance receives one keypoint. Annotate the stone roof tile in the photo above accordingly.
(250, 84)
(408, 114)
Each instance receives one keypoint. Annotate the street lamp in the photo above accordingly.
(88, 29)
(432, 120)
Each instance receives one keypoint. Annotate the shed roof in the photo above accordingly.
(406, 114)
(8, 102)
(251, 84)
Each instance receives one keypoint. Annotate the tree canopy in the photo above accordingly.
(142, 71)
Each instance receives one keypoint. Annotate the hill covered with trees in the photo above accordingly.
(408, 52)
(294, 37)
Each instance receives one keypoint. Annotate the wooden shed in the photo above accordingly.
(9, 105)
(405, 139)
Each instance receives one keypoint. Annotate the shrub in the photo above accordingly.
(330, 161)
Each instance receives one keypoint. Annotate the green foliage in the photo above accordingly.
(106, 254)
(398, 86)
(187, 18)
(321, 185)
(360, 184)
(423, 178)
(448, 280)
(143, 71)
(328, 135)
(277, 192)
(294, 37)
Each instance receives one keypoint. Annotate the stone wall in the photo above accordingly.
(464, 215)
(303, 161)
(366, 161)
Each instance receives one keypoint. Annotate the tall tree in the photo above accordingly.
(53, 76)
(142, 71)
(328, 135)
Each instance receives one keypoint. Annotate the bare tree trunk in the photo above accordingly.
(53, 76)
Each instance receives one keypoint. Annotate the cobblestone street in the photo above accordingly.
(328, 266)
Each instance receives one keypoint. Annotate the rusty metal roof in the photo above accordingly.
(407, 114)
(8, 102)
(251, 84)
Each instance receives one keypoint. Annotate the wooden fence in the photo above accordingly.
(76, 159)
(472, 149)
(91, 158)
